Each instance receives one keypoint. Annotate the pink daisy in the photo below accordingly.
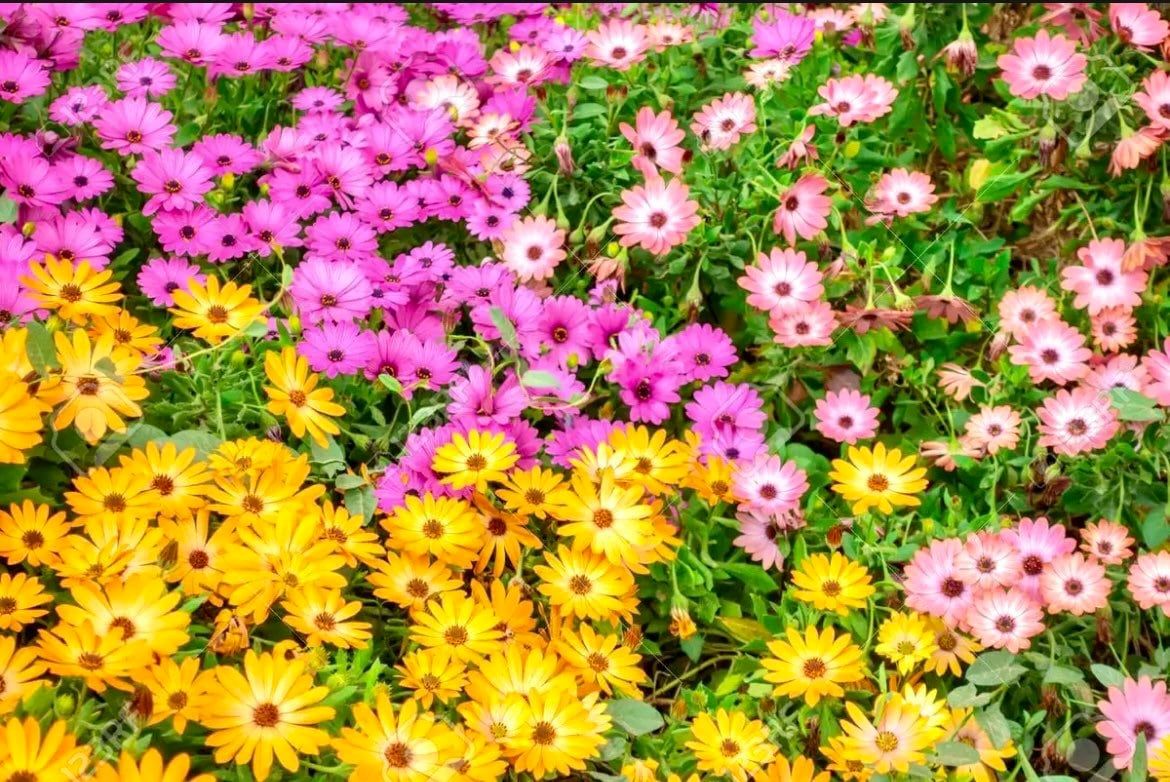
(932, 584)
(656, 139)
(1101, 282)
(988, 560)
(1075, 585)
(855, 98)
(768, 485)
(1037, 543)
(1113, 328)
(656, 216)
(1077, 421)
(720, 123)
(1157, 366)
(1004, 619)
(1052, 350)
(533, 248)
(803, 209)
(846, 416)
(901, 193)
(21, 76)
(993, 429)
(1154, 98)
(1107, 541)
(782, 281)
(760, 536)
(131, 126)
(1136, 708)
(1149, 581)
(617, 43)
(173, 179)
(1120, 371)
(1044, 65)
(1137, 24)
(1023, 308)
(812, 325)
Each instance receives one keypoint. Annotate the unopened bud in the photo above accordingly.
(564, 155)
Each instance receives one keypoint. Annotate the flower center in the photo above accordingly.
(814, 668)
(266, 715)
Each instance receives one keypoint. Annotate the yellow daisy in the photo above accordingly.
(878, 479)
(433, 674)
(76, 292)
(833, 583)
(294, 395)
(475, 460)
(215, 312)
(812, 665)
(20, 419)
(730, 744)
(906, 640)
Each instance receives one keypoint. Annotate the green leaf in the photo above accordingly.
(187, 134)
(361, 502)
(992, 669)
(967, 696)
(8, 210)
(424, 413)
(588, 110)
(1110, 677)
(636, 717)
(1059, 674)
(42, 354)
(592, 82)
(391, 382)
(987, 128)
(1132, 406)
(505, 327)
(995, 725)
(349, 481)
(1138, 766)
(746, 630)
(1000, 186)
(203, 442)
(752, 575)
(955, 753)
(538, 378)
(1155, 531)
(331, 458)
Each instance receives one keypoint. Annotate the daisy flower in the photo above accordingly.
(786, 37)
(1107, 541)
(993, 429)
(1052, 350)
(721, 123)
(1138, 25)
(1004, 619)
(1023, 308)
(1074, 584)
(878, 479)
(846, 416)
(1043, 65)
(933, 584)
(901, 193)
(656, 216)
(1077, 421)
(855, 98)
(730, 744)
(655, 139)
(782, 281)
(1136, 708)
(1149, 581)
(803, 209)
(770, 485)
(1100, 281)
(1113, 328)
(617, 43)
(812, 665)
(533, 248)
(833, 583)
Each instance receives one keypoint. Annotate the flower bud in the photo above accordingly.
(564, 155)
(961, 55)
(64, 705)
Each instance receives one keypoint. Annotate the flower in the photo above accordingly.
(602, 662)
(878, 479)
(785, 36)
(533, 248)
(960, 726)
(992, 429)
(656, 141)
(475, 460)
(269, 708)
(20, 419)
(1107, 541)
(855, 98)
(617, 43)
(803, 209)
(1074, 584)
(1043, 65)
(294, 395)
(1005, 619)
(30, 754)
(1052, 350)
(812, 665)
(97, 385)
(906, 640)
(656, 216)
(1138, 25)
(1102, 282)
(770, 485)
(75, 291)
(721, 123)
(584, 584)
(901, 193)
(214, 311)
(933, 584)
(1149, 581)
(1136, 708)
(895, 739)
(730, 744)
(846, 416)
(833, 583)
(323, 616)
(403, 745)
(149, 768)
(783, 281)
(1077, 421)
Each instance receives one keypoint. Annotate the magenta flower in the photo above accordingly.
(173, 179)
(131, 126)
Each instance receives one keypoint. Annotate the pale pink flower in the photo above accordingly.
(1137, 24)
(1020, 310)
(656, 216)
(1157, 366)
(533, 247)
(1134, 147)
(764, 73)
(901, 193)
(1154, 98)
(722, 122)
(855, 98)
(846, 416)
(1075, 585)
(1070, 15)
(1107, 541)
(1004, 619)
(1038, 543)
(1113, 328)
(666, 33)
(993, 429)
(932, 584)
(1136, 708)
(800, 151)
(618, 43)
(782, 281)
(810, 326)
(957, 381)
(804, 209)
(656, 139)
(1101, 281)
(760, 535)
(988, 560)
(1120, 371)
(1149, 581)
(769, 485)
(1044, 65)
(1052, 350)
(1077, 421)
